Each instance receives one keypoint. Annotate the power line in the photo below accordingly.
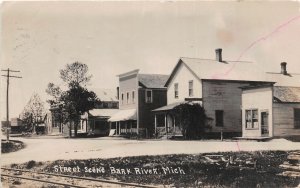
(8, 76)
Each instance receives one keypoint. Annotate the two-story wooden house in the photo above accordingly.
(139, 94)
(216, 85)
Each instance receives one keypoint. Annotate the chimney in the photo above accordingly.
(219, 54)
(283, 68)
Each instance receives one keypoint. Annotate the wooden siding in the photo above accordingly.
(284, 119)
(128, 84)
(226, 96)
(262, 100)
(146, 116)
(182, 77)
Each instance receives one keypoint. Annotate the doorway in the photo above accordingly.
(264, 123)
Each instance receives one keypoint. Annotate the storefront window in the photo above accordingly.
(251, 119)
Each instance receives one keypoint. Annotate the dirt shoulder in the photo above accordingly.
(226, 169)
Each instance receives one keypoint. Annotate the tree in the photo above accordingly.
(75, 73)
(76, 100)
(33, 112)
(192, 120)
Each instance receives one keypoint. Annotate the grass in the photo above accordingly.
(236, 169)
(11, 146)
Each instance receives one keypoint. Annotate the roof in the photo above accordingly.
(291, 80)
(287, 94)
(123, 115)
(103, 112)
(226, 70)
(169, 106)
(106, 94)
(153, 80)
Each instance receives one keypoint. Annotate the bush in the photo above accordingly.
(192, 120)
(30, 164)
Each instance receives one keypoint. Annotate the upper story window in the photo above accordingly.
(176, 90)
(148, 98)
(122, 98)
(191, 88)
(133, 99)
(127, 97)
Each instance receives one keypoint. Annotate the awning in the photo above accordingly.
(123, 115)
(169, 106)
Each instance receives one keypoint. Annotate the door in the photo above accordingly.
(264, 123)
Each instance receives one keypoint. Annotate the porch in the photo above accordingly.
(165, 122)
(123, 122)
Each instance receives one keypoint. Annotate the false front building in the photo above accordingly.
(138, 95)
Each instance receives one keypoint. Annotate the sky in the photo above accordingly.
(40, 38)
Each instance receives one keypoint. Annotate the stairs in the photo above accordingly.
(291, 167)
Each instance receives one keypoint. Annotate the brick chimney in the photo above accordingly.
(283, 68)
(219, 54)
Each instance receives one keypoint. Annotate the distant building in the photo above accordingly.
(94, 122)
(138, 95)
(16, 125)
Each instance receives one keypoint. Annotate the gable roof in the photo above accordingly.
(153, 80)
(226, 70)
(287, 94)
(291, 80)
(106, 94)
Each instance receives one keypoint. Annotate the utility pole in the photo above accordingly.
(7, 98)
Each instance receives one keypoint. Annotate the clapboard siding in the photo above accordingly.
(226, 96)
(128, 84)
(283, 114)
(146, 117)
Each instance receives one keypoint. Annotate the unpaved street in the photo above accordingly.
(44, 149)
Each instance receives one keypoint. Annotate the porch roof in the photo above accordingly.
(103, 112)
(169, 106)
(123, 115)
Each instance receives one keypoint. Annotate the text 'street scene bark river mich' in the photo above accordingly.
(150, 94)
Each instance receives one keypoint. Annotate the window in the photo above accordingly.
(251, 119)
(122, 98)
(148, 96)
(127, 97)
(176, 90)
(191, 88)
(133, 100)
(297, 118)
(219, 118)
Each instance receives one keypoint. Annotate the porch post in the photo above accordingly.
(119, 127)
(155, 124)
(174, 124)
(126, 126)
(166, 123)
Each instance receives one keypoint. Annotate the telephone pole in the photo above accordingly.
(7, 98)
